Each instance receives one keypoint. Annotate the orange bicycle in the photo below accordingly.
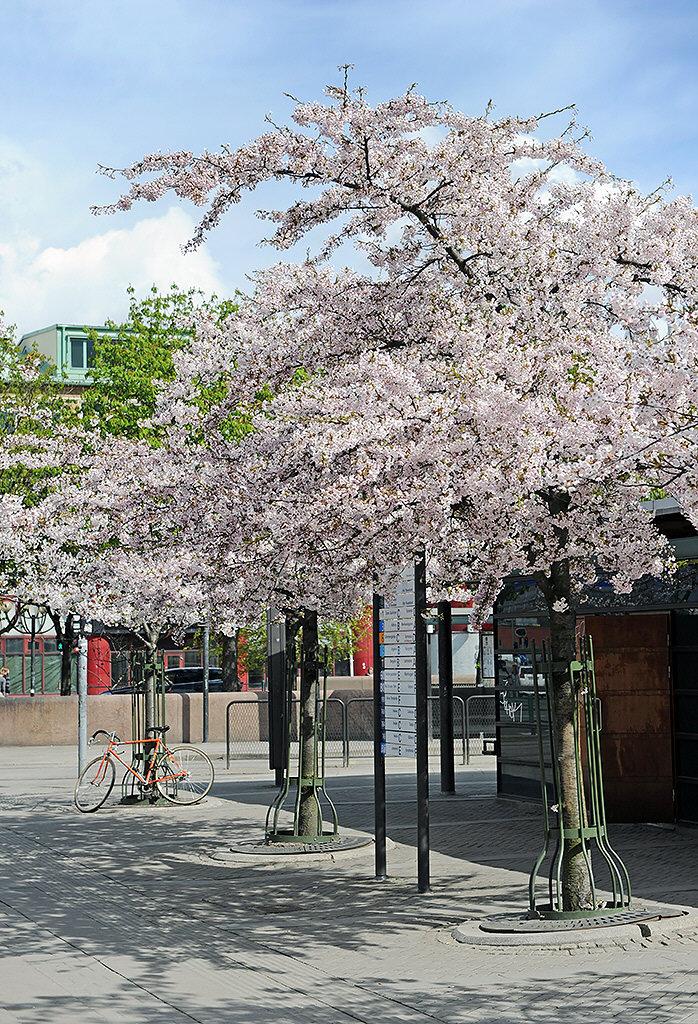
(182, 774)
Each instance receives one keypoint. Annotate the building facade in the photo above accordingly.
(69, 348)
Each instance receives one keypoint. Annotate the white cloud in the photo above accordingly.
(86, 283)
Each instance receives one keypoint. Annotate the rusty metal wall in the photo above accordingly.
(632, 669)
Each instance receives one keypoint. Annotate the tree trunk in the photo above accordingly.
(67, 640)
(229, 663)
(150, 683)
(576, 891)
(309, 822)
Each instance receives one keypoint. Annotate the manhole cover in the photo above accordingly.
(259, 847)
(512, 925)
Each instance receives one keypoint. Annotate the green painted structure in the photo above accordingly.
(68, 347)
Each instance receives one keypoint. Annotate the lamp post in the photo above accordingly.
(205, 682)
(32, 619)
(85, 630)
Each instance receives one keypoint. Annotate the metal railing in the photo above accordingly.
(253, 735)
(360, 733)
(484, 722)
(350, 725)
(349, 728)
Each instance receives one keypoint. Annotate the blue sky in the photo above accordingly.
(106, 81)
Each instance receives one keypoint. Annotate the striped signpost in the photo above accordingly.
(401, 689)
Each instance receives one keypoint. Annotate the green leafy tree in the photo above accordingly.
(339, 639)
(32, 409)
(133, 360)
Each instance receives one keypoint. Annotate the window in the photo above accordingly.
(77, 353)
(82, 353)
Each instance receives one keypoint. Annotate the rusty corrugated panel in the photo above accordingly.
(633, 680)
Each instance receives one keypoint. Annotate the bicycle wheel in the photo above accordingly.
(188, 775)
(94, 785)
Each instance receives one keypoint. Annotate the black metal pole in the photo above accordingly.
(206, 681)
(422, 727)
(32, 663)
(378, 757)
(448, 775)
(497, 690)
(276, 692)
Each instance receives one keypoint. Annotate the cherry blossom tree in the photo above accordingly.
(509, 372)
(91, 548)
(32, 413)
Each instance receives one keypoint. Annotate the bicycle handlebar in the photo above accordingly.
(111, 736)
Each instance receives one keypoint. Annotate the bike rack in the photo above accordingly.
(369, 700)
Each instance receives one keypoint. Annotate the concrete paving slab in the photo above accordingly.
(120, 916)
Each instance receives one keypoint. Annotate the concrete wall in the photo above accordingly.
(359, 685)
(52, 720)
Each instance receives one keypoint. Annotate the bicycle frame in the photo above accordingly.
(147, 780)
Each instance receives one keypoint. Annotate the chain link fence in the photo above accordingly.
(360, 726)
(247, 729)
(350, 727)
(480, 724)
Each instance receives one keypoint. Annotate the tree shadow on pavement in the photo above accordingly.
(500, 833)
(144, 926)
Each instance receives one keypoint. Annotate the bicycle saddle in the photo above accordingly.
(160, 728)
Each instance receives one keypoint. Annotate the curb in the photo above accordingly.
(257, 855)
(660, 930)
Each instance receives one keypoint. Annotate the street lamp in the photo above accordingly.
(32, 619)
(8, 617)
(8, 613)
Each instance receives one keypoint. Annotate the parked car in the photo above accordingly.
(191, 680)
(182, 680)
(126, 688)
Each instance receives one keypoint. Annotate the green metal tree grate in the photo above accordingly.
(591, 837)
(308, 776)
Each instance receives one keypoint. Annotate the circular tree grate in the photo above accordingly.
(507, 924)
(261, 848)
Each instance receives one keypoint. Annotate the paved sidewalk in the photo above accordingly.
(123, 916)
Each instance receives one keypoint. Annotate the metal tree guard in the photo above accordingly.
(310, 776)
(592, 834)
(131, 789)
